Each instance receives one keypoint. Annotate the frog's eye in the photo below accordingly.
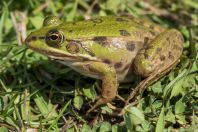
(72, 47)
(54, 38)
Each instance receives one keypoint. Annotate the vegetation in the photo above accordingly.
(38, 93)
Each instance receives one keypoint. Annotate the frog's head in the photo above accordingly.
(51, 41)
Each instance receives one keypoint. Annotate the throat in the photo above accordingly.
(76, 67)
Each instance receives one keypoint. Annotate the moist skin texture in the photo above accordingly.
(112, 49)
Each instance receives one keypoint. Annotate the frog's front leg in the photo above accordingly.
(157, 58)
(109, 80)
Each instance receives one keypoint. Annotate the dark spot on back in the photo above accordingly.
(107, 61)
(162, 57)
(74, 23)
(118, 65)
(124, 33)
(102, 40)
(97, 20)
(130, 45)
(120, 19)
(170, 56)
(70, 31)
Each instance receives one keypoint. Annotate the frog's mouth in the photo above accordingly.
(54, 54)
(60, 55)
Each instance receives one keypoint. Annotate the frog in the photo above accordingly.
(113, 49)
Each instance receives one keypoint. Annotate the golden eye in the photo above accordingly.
(72, 47)
(54, 38)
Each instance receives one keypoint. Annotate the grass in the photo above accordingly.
(38, 93)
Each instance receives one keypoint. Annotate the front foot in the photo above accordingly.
(109, 80)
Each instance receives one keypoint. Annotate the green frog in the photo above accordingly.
(112, 49)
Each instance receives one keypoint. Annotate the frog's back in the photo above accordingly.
(112, 27)
(113, 40)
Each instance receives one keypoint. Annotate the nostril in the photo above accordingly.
(34, 38)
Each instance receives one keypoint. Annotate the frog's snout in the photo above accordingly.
(30, 38)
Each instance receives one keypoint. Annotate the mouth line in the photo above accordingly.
(53, 55)
(63, 57)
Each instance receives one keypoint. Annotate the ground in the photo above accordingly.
(37, 93)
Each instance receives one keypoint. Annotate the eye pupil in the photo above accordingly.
(54, 37)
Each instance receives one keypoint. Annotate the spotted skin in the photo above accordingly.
(162, 57)
(158, 56)
(118, 65)
(124, 32)
(101, 40)
(130, 45)
(112, 49)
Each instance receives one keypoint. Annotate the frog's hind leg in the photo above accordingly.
(158, 58)
(146, 82)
